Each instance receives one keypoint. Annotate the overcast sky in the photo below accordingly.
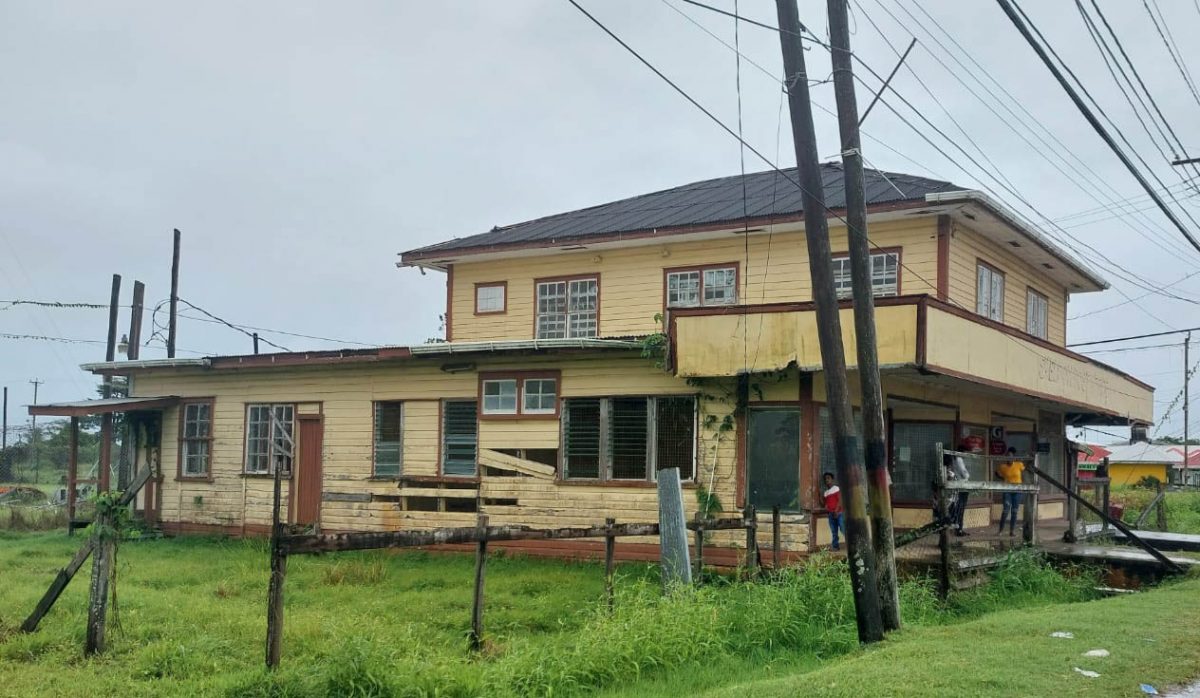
(301, 146)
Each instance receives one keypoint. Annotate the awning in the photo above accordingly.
(84, 408)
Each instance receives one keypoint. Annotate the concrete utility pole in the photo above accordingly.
(880, 495)
(851, 473)
(1187, 344)
(34, 438)
(5, 474)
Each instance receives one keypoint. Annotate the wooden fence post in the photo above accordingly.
(103, 550)
(278, 577)
(477, 603)
(610, 550)
(699, 546)
(1161, 508)
(751, 518)
(1072, 534)
(1104, 505)
(775, 539)
(943, 513)
(1029, 523)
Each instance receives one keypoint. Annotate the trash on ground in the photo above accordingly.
(1148, 689)
(1063, 634)
(1096, 653)
(1087, 673)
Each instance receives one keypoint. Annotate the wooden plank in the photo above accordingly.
(437, 492)
(503, 461)
(984, 486)
(1165, 541)
(345, 496)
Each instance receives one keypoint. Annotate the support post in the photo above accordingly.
(103, 550)
(775, 537)
(610, 553)
(875, 455)
(1161, 508)
(943, 513)
(477, 600)
(1072, 534)
(1104, 497)
(1187, 345)
(672, 526)
(173, 315)
(278, 576)
(750, 516)
(851, 473)
(1029, 522)
(6, 473)
(699, 575)
(72, 473)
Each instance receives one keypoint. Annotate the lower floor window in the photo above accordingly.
(460, 437)
(269, 441)
(628, 438)
(914, 454)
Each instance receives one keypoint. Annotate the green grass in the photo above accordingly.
(1153, 638)
(1183, 508)
(381, 624)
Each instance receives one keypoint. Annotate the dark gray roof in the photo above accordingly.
(712, 201)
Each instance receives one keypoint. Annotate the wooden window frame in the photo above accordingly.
(701, 268)
(981, 264)
(1030, 292)
(567, 279)
(179, 474)
(374, 441)
(490, 284)
(441, 443)
(898, 251)
(604, 476)
(520, 377)
(246, 439)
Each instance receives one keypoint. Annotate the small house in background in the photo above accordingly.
(586, 350)
(1129, 463)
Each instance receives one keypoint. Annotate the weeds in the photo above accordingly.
(32, 518)
(362, 571)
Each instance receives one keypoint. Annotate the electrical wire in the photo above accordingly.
(1164, 33)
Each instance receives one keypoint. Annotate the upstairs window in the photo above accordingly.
(568, 308)
(1036, 314)
(989, 292)
(702, 286)
(195, 439)
(389, 438)
(491, 298)
(885, 275)
(628, 438)
(269, 438)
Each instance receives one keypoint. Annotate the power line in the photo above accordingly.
(757, 153)
(54, 304)
(1164, 33)
(1021, 24)
(1124, 349)
(1136, 336)
(231, 325)
(1132, 300)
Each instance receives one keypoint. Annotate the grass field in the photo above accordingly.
(191, 615)
(1183, 507)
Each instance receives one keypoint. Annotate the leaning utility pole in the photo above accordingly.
(173, 314)
(880, 496)
(829, 329)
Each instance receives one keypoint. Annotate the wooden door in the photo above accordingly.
(308, 469)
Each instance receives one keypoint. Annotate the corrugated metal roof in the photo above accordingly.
(768, 193)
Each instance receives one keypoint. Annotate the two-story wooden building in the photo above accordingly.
(587, 349)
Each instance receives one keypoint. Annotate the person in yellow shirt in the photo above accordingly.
(1010, 473)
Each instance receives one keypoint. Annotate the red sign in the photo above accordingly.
(973, 444)
(998, 448)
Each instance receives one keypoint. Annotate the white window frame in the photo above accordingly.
(702, 294)
(526, 409)
(188, 442)
(502, 305)
(577, 311)
(493, 403)
(264, 436)
(884, 281)
(1037, 314)
(989, 291)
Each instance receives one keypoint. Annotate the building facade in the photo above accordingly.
(585, 351)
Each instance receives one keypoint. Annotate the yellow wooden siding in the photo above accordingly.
(967, 247)
(631, 279)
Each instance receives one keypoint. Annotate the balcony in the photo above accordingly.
(916, 334)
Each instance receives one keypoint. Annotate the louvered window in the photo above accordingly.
(460, 437)
(628, 438)
(389, 438)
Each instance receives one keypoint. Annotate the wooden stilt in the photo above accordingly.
(699, 547)
(1029, 522)
(72, 476)
(610, 550)
(477, 603)
(1161, 508)
(775, 537)
(752, 561)
(943, 513)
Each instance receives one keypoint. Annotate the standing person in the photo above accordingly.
(833, 507)
(1010, 472)
(957, 470)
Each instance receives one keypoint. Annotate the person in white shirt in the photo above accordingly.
(960, 473)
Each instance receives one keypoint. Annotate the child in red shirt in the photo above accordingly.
(833, 507)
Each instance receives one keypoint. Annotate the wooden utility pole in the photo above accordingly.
(35, 439)
(173, 320)
(851, 474)
(135, 321)
(5, 474)
(110, 355)
(880, 496)
(1187, 345)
